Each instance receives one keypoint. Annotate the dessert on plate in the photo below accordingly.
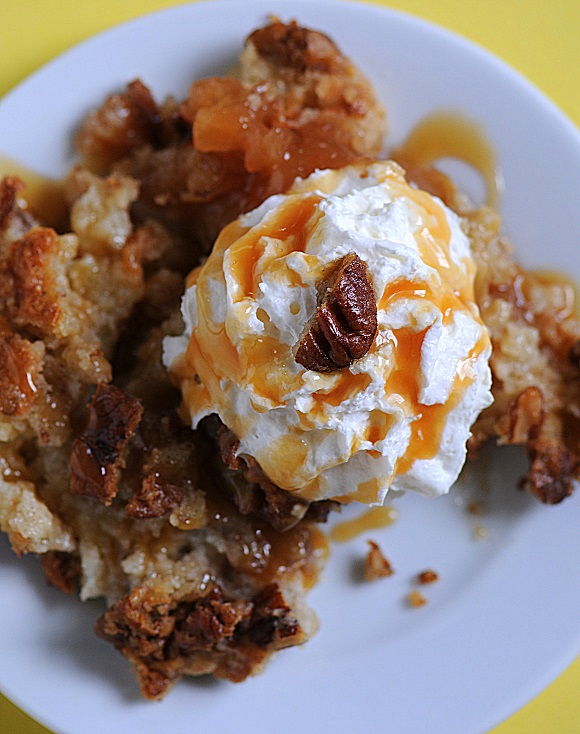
(248, 316)
(334, 332)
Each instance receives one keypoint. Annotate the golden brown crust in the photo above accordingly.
(29, 281)
(15, 220)
(64, 307)
(536, 382)
(20, 367)
(9, 189)
(30, 524)
(298, 104)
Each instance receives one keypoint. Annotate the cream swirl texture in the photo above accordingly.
(396, 419)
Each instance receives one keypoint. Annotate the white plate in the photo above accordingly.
(504, 618)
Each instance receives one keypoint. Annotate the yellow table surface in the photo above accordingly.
(539, 39)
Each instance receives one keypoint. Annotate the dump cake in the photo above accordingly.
(203, 560)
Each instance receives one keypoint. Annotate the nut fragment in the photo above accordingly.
(345, 323)
(427, 577)
(96, 456)
(415, 599)
(376, 566)
(62, 570)
(526, 413)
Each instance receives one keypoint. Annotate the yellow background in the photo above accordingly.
(538, 38)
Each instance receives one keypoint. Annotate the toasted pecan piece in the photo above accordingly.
(211, 621)
(33, 289)
(291, 45)
(526, 413)
(96, 456)
(125, 121)
(553, 470)
(272, 622)
(163, 467)
(345, 323)
(155, 498)
(428, 576)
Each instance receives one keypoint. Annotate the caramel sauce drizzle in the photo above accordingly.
(372, 519)
(292, 226)
(211, 347)
(15, 365)
(44, 196)
(267, 553)
(452, 135)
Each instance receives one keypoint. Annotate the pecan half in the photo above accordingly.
(345, 323)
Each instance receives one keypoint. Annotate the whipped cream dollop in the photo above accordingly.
(396, 419)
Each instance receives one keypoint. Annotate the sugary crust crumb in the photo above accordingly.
(415, 599)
